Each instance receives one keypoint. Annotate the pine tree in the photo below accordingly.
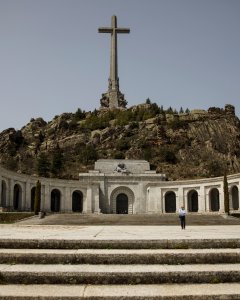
(37, 198)
(181, 110)
(43, 165)
(57, 161)
(148, 101)
(226, 193)
(79, 114)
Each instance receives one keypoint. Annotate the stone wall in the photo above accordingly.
(97, 191)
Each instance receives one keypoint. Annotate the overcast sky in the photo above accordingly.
(178, 53)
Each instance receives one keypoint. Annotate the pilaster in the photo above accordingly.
(87, 205)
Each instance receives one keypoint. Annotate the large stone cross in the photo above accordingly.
(113, 98)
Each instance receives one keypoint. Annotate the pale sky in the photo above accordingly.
(178, 53)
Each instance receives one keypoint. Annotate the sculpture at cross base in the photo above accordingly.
(113, 98)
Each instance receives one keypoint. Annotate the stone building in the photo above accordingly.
(118, 186)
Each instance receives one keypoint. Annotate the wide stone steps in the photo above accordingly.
(119, 274)
(119, 244)
(221, 291)
(191, 269)
(120, 256)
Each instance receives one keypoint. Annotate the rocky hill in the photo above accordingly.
(183, 145)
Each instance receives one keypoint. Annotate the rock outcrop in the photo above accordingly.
(185, 145)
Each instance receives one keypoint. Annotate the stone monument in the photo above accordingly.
(113, 98)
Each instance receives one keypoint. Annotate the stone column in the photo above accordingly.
(68, 200)
(96, 199)
(207, 200)
(47, 198)
(88, 203)
(141, 191)
(10, 199)
(221, 199)
(27, 201)
(201, 200)
(180, 201)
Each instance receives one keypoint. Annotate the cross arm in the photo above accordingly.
(105, 30)
(122, 30)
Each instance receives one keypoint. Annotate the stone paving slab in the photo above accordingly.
(60, 232)
(163, 291)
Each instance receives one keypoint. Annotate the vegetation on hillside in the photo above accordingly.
(182, 144)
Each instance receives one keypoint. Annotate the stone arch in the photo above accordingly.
(17, 197)
(55, 200)
(4, 194)
(122, 194)
(214, 204)
(33, 191)
(235, 197)
(77, 201)
(192, 198)
(170, 202)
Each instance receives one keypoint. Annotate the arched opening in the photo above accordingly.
(193, 201)
(214, 200)
(77, 201)
(33, 190)
(3, 194)
(122, 201)
(235, 198)
(170, 202)
(122, 204)
(17, 197)
(55, 200)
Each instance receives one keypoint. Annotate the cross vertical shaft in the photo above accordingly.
(113, 98)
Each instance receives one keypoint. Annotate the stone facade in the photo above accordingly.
(118, 186)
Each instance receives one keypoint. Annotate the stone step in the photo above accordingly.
(76, 219)
(118, 274)
(119, 244)
(224, 291)
(119, 256)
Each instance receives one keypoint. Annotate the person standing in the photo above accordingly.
(182, 216)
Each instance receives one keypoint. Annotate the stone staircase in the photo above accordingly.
(120, 269)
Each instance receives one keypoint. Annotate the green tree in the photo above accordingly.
(148, 101)
(57, 162)
(88, 154)
(37, 198)
(226, 193)
(79, 114)
(170, 110)
(43, 165)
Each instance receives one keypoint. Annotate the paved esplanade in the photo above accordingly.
(113, 98)
(118, 232)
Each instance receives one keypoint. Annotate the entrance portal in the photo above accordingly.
(55, 200)
(122, 204)
(214, 200)
(193, 201)
(17, 197)
(77, 201)
(170, 202)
